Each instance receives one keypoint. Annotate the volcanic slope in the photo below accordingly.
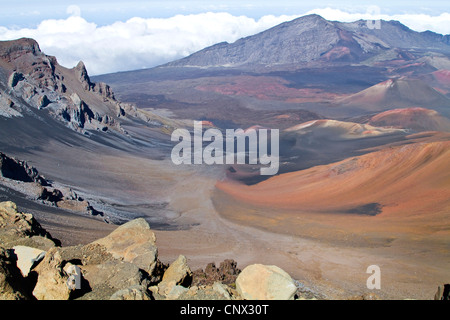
(397, 189)
(397, 93)
(417, 119)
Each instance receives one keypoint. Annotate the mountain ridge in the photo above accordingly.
(311, 38)
(30, 79)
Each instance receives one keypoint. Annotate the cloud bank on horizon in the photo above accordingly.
(147, 42)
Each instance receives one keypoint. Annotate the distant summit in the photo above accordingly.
(312, 40)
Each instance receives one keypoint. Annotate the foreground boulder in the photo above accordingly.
(260, 282)
(178, 272)
(133, 242)
(176, 278)
(27, 257)
(114, 279)
(18, 228)
(12, 284)
(52, 282)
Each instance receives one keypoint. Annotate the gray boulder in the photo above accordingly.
(261, 282)
(178, 271)
(106, 279)
(133, 242)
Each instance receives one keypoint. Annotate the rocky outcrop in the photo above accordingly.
(52, 196)
(41, 82)
(30, 64)
(82, 75)
(26, 179)
(104, 90)
(260, 282)
(22, 229)
(226, 274)
(15, 225)
(12, 168)
(37, 84)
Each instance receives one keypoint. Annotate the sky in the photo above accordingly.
(118, 35)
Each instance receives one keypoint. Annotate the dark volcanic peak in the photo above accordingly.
(289, 42)
(312, 40)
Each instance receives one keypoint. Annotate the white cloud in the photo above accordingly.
(417, 22)
(73, 10)
(139, 43)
